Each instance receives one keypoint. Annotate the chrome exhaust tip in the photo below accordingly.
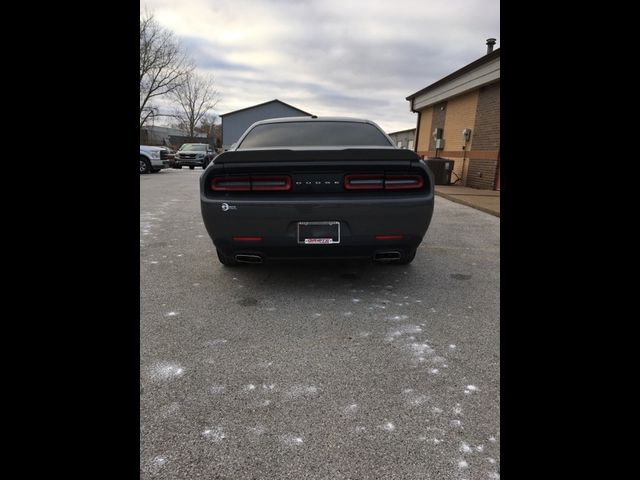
(388, 256)
(247, 258)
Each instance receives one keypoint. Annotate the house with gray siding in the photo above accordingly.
(404, 138)
(234, 124)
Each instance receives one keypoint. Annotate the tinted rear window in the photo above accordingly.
(314, 134)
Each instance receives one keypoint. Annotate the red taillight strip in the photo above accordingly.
(388, 237)
(247, 239)
(386, 182)
(231, 184)
(403, 182)
(364, 182)
(281, 182)
(257, 183)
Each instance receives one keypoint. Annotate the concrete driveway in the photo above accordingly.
(317, 369)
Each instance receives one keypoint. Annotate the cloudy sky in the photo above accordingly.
(358, 58)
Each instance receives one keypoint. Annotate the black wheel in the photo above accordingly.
(407, 257)
(226, 260)
(145, 166)
(191, 167)
(155, 170)
(178, 167)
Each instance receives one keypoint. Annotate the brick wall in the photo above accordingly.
(424, 132)
(486, 138)
(486, 134)
(481, 173)
(461, 113)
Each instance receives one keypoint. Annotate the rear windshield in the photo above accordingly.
(314, 134)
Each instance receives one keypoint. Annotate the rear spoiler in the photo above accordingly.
(283, 155)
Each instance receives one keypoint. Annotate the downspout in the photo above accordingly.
(415, 143)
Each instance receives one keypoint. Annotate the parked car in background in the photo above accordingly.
(194, 155)
(168, 154)
(303, 187)
(151, 160)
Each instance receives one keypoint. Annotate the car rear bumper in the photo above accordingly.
(271, 225)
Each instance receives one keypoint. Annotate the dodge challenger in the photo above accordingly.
(316, 187)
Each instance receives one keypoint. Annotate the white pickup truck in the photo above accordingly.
(151, 159)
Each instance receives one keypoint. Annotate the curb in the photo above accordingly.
(454, 199)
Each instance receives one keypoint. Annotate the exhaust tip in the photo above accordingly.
(247, 258)
(389, 256)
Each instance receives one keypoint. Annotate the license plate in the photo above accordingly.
(318, 233)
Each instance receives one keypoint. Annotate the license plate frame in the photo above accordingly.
(322, 235)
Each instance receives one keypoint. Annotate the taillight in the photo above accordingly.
(403, 182)
(258, 183)
(281, 182)
(380, 182)
(231, 184)
(364, 182)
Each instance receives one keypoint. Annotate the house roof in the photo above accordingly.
(266, 103)
(402, 131)
(476, 63)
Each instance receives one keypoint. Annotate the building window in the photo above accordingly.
(410, 145)
(399, 144)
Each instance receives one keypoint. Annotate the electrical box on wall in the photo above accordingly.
(437, 134)
(466, 134)
(439, 143)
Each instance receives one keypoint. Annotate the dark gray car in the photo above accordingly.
(308, 187)
(194, 155)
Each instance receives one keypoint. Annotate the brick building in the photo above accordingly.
(466, 100)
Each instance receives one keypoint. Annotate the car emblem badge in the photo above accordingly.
(226, 207)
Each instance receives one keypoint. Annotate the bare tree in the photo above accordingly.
(163, 64)
(206, 124)
(194, 97)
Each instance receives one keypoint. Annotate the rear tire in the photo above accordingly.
(407, 257)
(226, 260)
(191, 167)
(179, 167)
(145, 166)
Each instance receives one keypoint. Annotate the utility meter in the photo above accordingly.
(466, 134)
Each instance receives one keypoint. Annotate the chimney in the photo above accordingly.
(490, 43)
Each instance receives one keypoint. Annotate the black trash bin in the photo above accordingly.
(441, 168)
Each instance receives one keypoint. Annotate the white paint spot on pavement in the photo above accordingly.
(456, 423)
(465, 448)
(492, 439)
(171, 314)
(249, 388)
(480, 448)
(355, 300)
(435, 371)
(301, 391)
(292, 440)
(166, 371)
(347, 314)
(389, 427)
(470, 389)
(462, 464)
(452, 346)
(214, 434)
(351, 409)
(491, 460)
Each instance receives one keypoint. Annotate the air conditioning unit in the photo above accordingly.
(440, 143)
